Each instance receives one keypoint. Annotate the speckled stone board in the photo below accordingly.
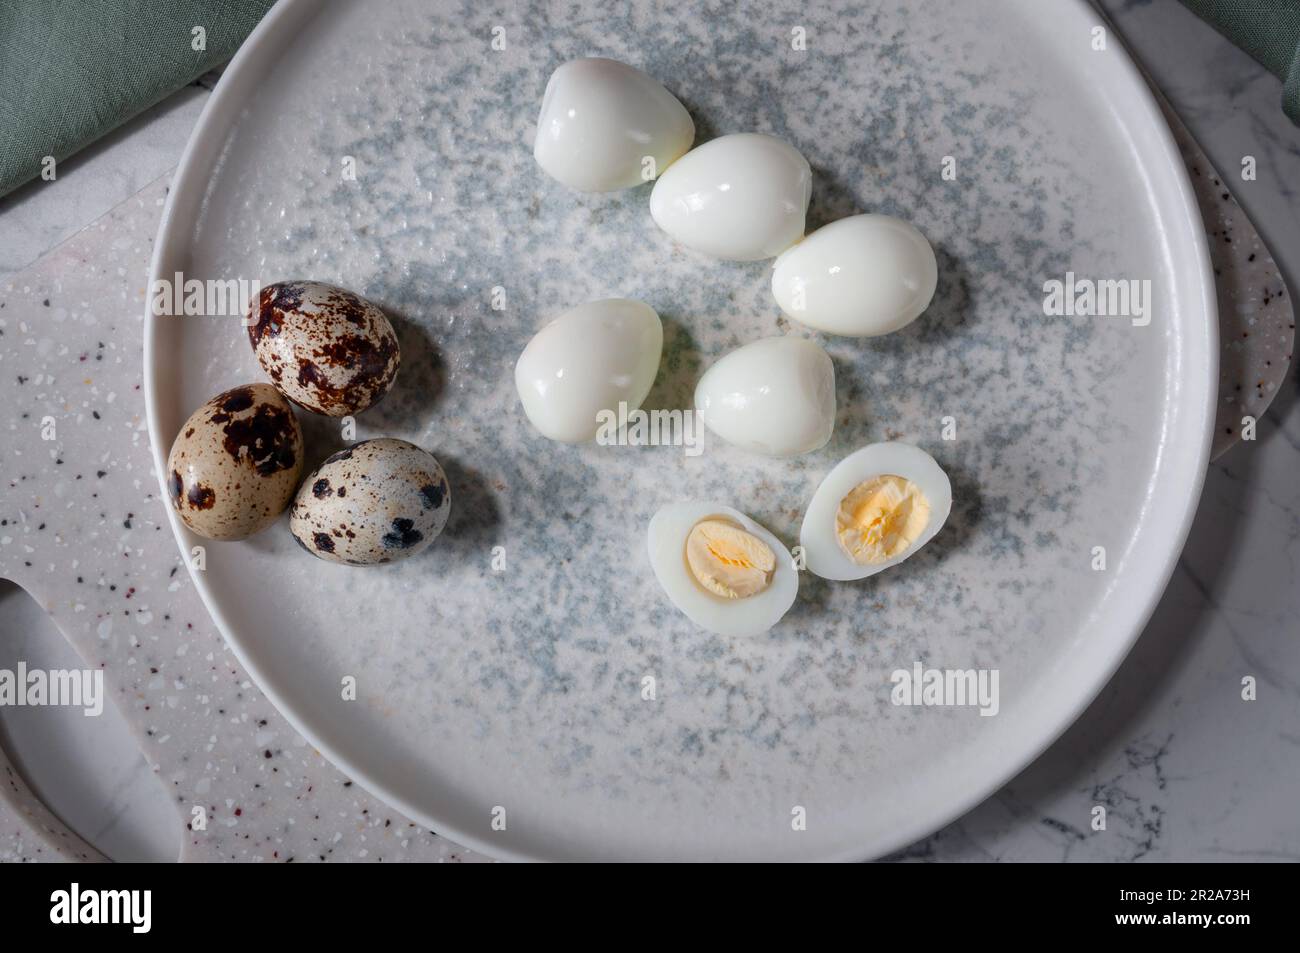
(538, 668)
(1256, 313)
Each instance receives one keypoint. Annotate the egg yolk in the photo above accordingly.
(880, 518)
(728, 561)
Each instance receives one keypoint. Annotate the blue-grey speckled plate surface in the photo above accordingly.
(487, 691)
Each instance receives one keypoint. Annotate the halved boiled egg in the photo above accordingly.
(878, 506)
(726, 573)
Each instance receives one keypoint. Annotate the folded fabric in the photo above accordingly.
(71, 70)
(1269, 30)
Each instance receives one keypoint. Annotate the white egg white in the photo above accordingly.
(741, 197)
(861, 276)
(774, 396)
(823, 553)
(600, 121)
(588, 360)
(739, 618)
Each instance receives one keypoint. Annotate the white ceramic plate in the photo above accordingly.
(483, 686)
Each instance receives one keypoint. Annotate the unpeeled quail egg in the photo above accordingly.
(774, 396)
(235, 463)
(861, 276)
(327, 349)
(374, 502)
(586, 361)
(606, 126)
(878, 506)
(725, 572)
(741, 197)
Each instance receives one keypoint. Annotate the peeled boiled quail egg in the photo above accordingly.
(741, 197)
(325, 348)
(234, 466)
(861, 276)
(374, 502)
(726, 573)
(606, 126)
(589, 360)
(878, 506)
(774, 396)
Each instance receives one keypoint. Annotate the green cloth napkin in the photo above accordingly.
(71, 70)
(1269, 30)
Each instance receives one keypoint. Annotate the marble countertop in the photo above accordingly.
(1186, 769)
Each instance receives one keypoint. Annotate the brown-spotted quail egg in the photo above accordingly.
(329, 350)
(234, 465)
(375, 502)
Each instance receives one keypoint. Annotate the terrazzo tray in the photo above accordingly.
(502, 676)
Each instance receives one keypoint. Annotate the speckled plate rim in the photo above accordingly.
(1181, 458)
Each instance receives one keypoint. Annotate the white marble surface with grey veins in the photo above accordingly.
(1186, 769)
